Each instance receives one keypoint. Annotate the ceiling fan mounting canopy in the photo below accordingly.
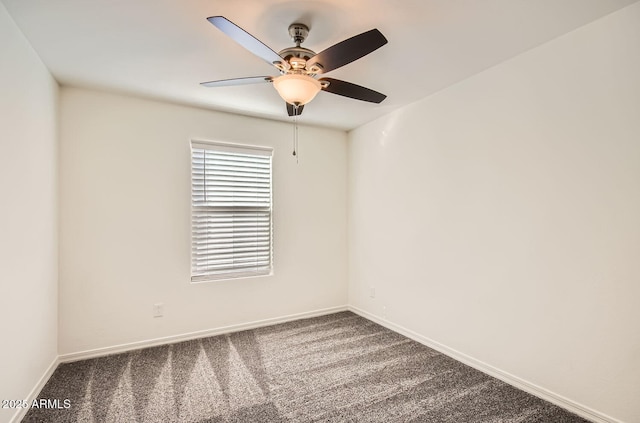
(298, 32)
(299, 66)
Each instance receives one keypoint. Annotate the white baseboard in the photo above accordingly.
(540, 392)
(545, 394)
(99, 352)
(20, 412)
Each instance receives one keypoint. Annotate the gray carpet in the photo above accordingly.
(335, 368)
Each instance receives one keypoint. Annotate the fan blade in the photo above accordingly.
(350, 90)
(237, 81)
(245, 39)
(291, 110)
(347, 51)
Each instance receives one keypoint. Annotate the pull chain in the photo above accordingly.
(296, 153)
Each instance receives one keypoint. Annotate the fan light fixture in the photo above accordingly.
(297, 89)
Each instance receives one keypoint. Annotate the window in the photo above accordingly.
(230, 211)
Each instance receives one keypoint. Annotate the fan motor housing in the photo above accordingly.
(297, 56)
(301, 52)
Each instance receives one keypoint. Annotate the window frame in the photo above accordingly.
(241, 149)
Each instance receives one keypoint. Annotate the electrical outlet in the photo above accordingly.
(372, 292)
(158, 310)
(384, 312)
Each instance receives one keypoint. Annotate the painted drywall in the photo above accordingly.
(501, 216)
(125, 222)
(28, 216)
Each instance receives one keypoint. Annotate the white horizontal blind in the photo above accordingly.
(230, 211)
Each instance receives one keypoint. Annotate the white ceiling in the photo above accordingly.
(164, 48)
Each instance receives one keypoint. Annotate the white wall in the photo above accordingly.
(28, 216)
(125, 222)
(501, 216)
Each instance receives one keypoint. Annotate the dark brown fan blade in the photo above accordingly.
(245, 39)
(237, 81)
(291, 110)
(350, 90)
(347, 51)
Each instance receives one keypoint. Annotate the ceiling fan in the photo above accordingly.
(299, 66)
